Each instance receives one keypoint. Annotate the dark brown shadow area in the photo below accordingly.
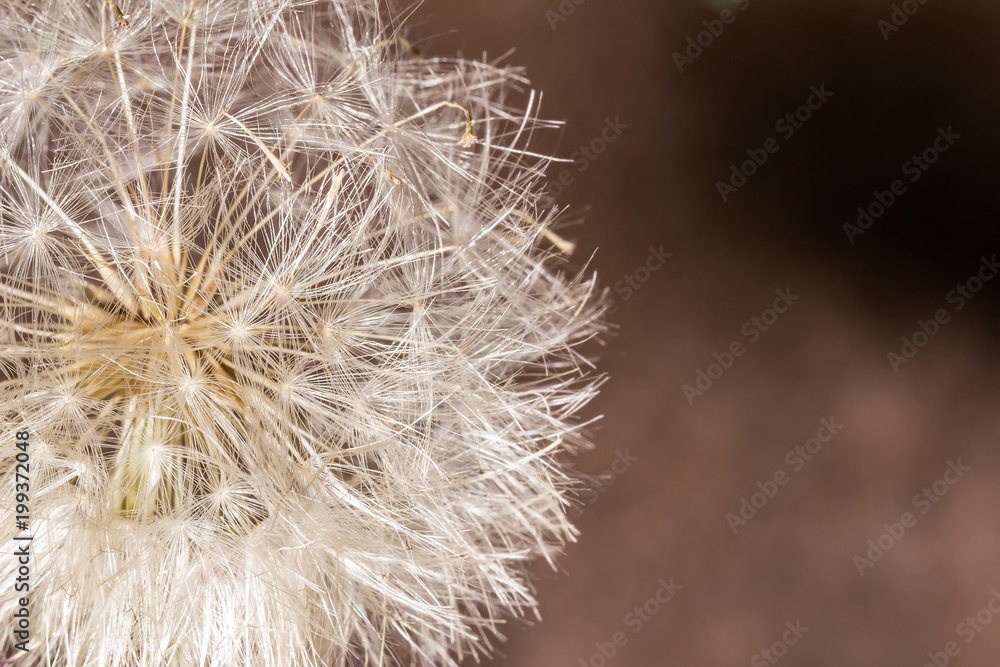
(861, 487)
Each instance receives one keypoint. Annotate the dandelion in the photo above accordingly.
(295, 341)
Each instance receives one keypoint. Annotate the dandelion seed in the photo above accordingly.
(121, 20)
(299, 366)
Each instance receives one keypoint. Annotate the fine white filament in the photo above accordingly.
(293, 338)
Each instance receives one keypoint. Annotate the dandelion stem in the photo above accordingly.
(181, 144)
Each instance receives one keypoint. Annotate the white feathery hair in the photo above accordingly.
(296, 345)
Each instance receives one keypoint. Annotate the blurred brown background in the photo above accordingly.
(826, 357)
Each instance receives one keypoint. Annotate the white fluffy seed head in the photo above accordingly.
(296, 349)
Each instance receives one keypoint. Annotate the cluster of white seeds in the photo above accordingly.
(292, 336)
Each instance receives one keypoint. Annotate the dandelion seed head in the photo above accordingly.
(282, 311)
